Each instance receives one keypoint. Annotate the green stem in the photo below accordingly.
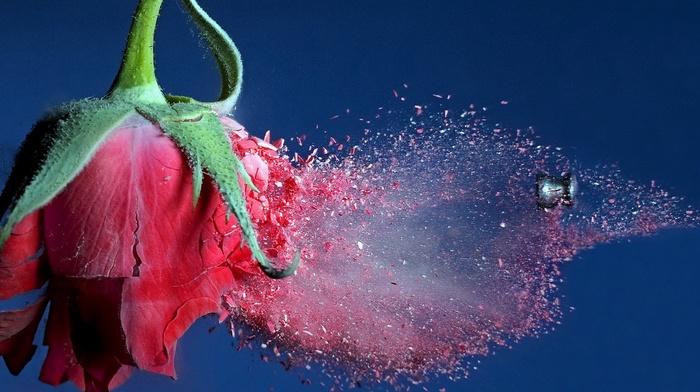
(136, 80)
(227, 58)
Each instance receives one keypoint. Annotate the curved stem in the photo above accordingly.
(136, 80)
(227, 56)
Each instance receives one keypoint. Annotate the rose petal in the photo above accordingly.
(257, 170)
(22, 270)
(84, 333)
(22, 267)
(17, 330)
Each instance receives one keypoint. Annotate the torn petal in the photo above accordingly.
(22, 266)
(17, 330)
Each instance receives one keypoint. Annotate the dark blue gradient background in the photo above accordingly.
(610, 82)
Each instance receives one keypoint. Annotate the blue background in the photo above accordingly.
(610, 82)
